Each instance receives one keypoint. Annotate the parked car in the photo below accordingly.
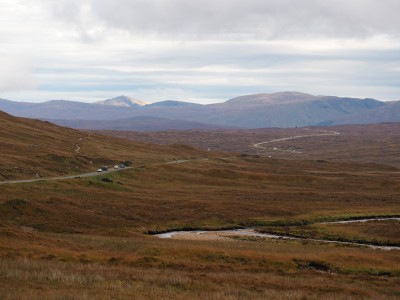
(126, 163)
(116, 167)
(104, 168)
(99, 170)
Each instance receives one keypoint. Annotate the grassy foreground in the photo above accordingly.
(84, 267)
(84, 238)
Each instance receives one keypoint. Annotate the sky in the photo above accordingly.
(202, 51)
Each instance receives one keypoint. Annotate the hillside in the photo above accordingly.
(62, 109)
(285, 110)
(30, 147)
(390, 113)
(13, 107)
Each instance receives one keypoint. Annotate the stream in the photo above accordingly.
(228, 234)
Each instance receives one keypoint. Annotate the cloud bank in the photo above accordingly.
(250, 19)
(202, 51)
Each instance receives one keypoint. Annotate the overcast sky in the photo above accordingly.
(198, 50)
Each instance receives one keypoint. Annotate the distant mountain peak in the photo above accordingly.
(271, 98)
(169, 103)
(123, 101)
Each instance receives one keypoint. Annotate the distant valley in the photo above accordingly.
(141, 123)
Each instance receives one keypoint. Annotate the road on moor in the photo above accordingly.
(320, 133)
(112, 170)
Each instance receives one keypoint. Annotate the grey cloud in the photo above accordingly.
(15, 74)
(207, 49)
(252, 19)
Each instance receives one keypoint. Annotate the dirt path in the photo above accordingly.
(77, 146)
(77, 149)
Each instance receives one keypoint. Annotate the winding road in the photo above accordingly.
(66, 177)
(111, 170)
(260, 146)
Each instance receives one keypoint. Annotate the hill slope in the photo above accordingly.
(31, 147)
(14, 107)
(287, 110)
(390, 113)
(62, 109)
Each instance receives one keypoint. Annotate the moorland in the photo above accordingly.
(85, 238)
(374, 143)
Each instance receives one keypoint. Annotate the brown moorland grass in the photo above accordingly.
(213, 193)
(89, 222)
(84, 238)
(29, 147)
(64, 265)
(378, 230)
(377, 143)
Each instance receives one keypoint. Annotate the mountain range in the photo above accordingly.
(284, 109)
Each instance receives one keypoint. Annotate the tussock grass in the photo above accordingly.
(77, 281)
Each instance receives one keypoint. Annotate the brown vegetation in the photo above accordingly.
(378, 143)
(384, 233)
(85, 238)
(31, 148)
